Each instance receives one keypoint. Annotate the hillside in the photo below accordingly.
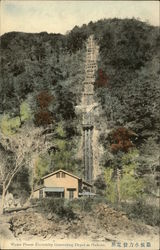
(128, 57)
(41, 80)
(81, 223)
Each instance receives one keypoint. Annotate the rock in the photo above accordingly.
(108, 221)
(66, 232)
(45, 235)
(75, 222)
(19, 204)
(62, 236)
(94, 231)
(49, 236)
(50, 216)
(27, 203)
(30, 210)
(12, 206)
(81, 216)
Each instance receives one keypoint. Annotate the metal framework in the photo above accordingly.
(88, 105)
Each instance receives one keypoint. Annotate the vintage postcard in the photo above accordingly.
(79, 125)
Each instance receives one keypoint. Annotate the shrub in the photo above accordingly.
(111, 190)
(100, 185)
(143, 212)
(56, 206)
(86, 203)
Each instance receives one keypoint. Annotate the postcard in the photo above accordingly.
(79, 125)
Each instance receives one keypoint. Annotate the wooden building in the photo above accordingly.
(62, 184)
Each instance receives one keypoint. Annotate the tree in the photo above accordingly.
(43, 117)
(42, 164)
(23, 146)
(121, 142)
(121, 138)
(130, 186)
(100, 184)
(149, 164)
(9, 125)
(4, 172)
(44, 99)
(102, 79)
(64, 156)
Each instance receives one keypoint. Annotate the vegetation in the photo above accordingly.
(44, 74)
(56, 206)
(16, 151)
(139, 211)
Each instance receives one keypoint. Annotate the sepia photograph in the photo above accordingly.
(79, 125)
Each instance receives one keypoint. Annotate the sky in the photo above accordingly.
(62, 16)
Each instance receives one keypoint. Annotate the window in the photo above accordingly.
(71, 194)
(41, 193)
(63, 175)
(58, 175)
(55, 194)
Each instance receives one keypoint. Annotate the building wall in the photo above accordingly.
(66, 182)
(86, 187)
(36, 194)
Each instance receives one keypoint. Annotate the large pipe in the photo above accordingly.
(88, 93)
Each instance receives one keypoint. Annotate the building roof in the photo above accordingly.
(85, 182)
(87, 194)
(37, 188)
(50, 189)
(54, 189)
(61, 170)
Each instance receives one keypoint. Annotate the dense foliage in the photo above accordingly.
(55, 206)
(41, 81)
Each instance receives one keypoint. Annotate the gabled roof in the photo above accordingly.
(37, 188)
(61, 170)
(87, 183)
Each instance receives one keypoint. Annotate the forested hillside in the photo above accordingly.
(41, 82)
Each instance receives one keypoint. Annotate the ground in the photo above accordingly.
(100, 229)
